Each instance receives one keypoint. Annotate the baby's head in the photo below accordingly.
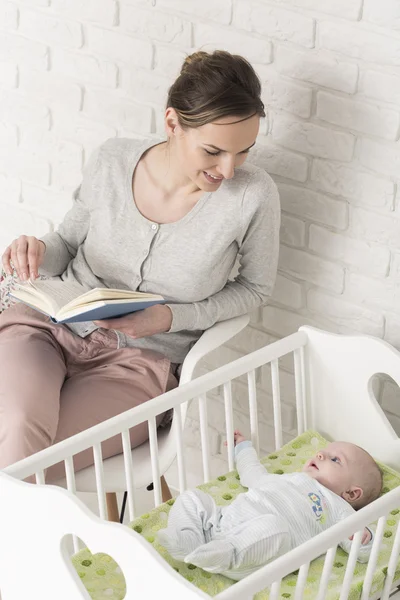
(347, 470)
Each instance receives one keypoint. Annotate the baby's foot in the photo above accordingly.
(214, 557)
(178, 543)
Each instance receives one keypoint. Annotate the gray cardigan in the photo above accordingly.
(104, 241)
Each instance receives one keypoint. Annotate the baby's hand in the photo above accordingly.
(237, 438)
(366, 537)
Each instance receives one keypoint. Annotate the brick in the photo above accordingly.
(16, 49)
(104, 12)
(283, 322)
(371, 259)
(279, 161)
(156, 26)
(293, 231)
(392, 335)
(8, 15)
(117, 110)
(20, 221)
(168, 60)
(381, 86)
(360, 187)
(53, 90)
(50, 30)
(24, 166)
(46, 202)
(375, 293)
(36, 3)
(75, 127)
(10, 188)
(382, 158)
(284, 95)
(85, 68)
(280, 24)
(374, 227)
(288, 292)
(323, 70)
(121, 47)
(16, 108)
(359, 43)
(308, 204)
(145, 86)
(8, 138)
(8, 75)
(385, 13)
(343, 313)
(220, 11)
(360, 116)
(344, 9)
(209, 38)
(313, 139)
(313, 269)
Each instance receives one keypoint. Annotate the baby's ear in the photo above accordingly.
(353, 494)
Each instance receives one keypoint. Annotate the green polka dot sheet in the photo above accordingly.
(103, 578)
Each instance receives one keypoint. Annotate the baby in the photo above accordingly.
(276, 514)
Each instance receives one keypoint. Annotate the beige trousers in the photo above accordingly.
(54, 384)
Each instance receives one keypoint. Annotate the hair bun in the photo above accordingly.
(194, 60)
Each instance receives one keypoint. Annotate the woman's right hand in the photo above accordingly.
(26, 253)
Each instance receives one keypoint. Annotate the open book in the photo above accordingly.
(66, 302)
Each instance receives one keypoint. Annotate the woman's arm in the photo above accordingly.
(62, 245)
(258, 254)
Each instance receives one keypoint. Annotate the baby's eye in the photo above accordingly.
(335, 459)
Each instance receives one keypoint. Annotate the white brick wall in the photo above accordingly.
(76, 72)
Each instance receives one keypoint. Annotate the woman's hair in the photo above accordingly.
(215, 85)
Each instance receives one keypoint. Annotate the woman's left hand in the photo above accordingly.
(152, 320)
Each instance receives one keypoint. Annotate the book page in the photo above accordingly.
(60, 292)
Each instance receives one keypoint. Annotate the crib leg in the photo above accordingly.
(165, 491)
(112, 507)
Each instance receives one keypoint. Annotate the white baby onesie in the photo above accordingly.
(278, 513)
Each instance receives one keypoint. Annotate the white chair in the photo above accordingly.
(114, 469)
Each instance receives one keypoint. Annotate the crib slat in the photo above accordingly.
(276, 395)
(71, 487)
(129, 473)
(367, 583)
(275, 590)
(39, 476)
(303, 387)
(229, 424)
(155, 465)
(205, 444)
(351, 563)
(326, 573)
(179, 449)
(251, 384)
(301, 581)
(98, 467)
(299, 391)
(394, 556)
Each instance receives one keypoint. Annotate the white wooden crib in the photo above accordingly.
(333, 382)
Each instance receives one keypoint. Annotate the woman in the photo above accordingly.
(168, 218)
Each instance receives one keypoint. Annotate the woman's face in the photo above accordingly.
(209, 154)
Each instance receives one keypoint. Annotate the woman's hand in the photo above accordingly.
(152, 320)
(26, 254)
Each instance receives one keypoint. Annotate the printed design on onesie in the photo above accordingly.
(317, 507)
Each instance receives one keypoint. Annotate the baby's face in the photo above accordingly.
(336, 466)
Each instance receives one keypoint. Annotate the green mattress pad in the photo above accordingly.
(103, 579)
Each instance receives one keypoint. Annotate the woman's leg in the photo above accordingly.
(109, 382)
(32, 371)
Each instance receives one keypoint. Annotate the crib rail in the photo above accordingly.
(198, 391)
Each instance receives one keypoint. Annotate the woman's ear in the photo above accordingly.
(171, 121)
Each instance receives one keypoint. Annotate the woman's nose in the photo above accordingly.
(227, 168)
